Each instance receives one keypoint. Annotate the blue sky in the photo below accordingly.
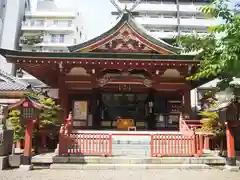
(96, 13)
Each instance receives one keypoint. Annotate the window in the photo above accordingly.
(55, 22)
(200, 17)
(69, 23)
(77, 29)
(186, 31)
(32, 23)
(39, 22)
(186, 17)
(57, 38)
(154, 30)
(75, 41)
(167, 16)
(154, 16)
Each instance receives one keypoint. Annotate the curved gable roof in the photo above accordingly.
(139, 32)
(11, 83)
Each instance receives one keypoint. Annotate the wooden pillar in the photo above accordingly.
(186, 102)
(28, 143)
(231, 157)
(206, 142)
(63, 96)
(44, 140)
(200, 144)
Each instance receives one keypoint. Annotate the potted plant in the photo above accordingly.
(31, 40)
(18, 136)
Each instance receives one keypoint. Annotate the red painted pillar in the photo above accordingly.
(187, 102)
(206, 142)
(200, 144)
(28, 143)
(231, 156)
(63, 96)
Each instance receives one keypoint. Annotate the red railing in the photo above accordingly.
(86, 144)
(184, 128)
(193, 123)
(82, 143)
(186, 144)
(176, 145)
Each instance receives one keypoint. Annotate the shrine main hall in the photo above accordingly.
(123, 73)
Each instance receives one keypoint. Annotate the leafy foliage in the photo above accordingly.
(18, 127)
(49, 114)
(220, 49)
(31, 40)
(210, 121)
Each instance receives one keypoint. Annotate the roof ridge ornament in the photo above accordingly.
(121, 11)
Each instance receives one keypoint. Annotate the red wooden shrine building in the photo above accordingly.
(122, 73)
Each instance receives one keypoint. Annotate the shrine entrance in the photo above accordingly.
(149, 109)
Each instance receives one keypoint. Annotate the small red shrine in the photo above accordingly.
(30, 109)
(123, 73)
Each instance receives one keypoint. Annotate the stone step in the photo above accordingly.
(127, 166)
(139, 160)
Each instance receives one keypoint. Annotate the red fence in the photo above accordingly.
(186, 144)
(184, 128)
(176, 145)
(86, 144)
(160, 144)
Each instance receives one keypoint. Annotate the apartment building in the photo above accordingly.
(166, 19)
(11, 16)
(51, 29)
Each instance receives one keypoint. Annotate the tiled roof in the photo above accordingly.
(9, 82)
(127, 18)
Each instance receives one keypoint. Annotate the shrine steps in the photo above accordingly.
(138, 160)
(101, 163)
(128, 166)
(53, 161)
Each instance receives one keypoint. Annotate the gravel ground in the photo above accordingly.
(47, 174)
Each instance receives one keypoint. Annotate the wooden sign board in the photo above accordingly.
(80, 110)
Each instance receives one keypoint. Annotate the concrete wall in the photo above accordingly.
(14, 13)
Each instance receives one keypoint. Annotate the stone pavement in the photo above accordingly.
(172, 174)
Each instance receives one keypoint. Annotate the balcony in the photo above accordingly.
(157, 7)
(31, 40)
(164, 35)
(47, 26)
(197, 22)
(192, 8)
(55, 44)
(157, 21)
(45, 42)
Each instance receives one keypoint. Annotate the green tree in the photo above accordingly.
(210, 120)
(17, 126)
(220, 49)
(49, 113)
